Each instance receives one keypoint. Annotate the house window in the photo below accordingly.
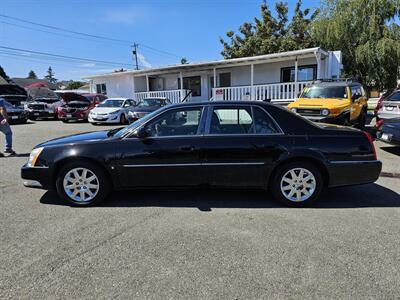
(191, 83)
(101, 88)
(225, 79)
(305, 73)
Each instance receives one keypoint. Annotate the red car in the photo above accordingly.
(76, 107)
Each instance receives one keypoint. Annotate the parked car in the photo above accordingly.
(390, 106)
(42, 103)
(341, 102)
(146, 106)
(382, 97)
(389, 132)
(16, 114)
(114, 110)
(240, 144)
(13, 93)
(76, 107)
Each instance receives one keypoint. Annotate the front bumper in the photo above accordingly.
(73, 117)
(343, 173)
(339, 119)
(40, 114)
(37, 177)
(108, 119)
(18, 118)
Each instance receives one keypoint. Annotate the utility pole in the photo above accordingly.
(134, 52)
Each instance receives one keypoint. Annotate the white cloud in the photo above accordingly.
(88, 65)
(143, 61)
(128, 16)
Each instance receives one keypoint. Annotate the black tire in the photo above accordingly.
(103, 182)
(122, 119)
(64, 121)
(362, 120)
(32, 118)
(275, 183)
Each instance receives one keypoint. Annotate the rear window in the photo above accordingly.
(393, 97)
(339, 92)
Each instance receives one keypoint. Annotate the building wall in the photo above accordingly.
(117, 86)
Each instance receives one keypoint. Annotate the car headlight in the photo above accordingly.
(294, 110)
(34, 156)
(325, 112)
(114, 112)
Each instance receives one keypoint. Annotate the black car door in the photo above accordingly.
(170, 154)
(242, 144)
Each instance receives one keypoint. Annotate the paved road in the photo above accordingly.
(196, 244)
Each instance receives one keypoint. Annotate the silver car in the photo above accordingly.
(390, 106)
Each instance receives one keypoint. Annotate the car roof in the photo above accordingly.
(161, 98)
(117, 98)
(223, 103)
(336, 83)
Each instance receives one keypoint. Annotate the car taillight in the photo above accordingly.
(379, 104)
(371, 142)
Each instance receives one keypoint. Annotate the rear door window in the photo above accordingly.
(231, 121)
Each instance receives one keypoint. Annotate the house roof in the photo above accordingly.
(221, 63)
(24, 82)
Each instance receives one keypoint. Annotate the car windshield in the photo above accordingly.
(111, 103)
(394, 97)
(151, 102)
(135, 124)
(339, 92)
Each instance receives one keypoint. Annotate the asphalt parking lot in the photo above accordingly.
(197, 243)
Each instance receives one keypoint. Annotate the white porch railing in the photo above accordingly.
(175, 96)
(276, 92)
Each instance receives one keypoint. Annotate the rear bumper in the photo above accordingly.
(37, 177)
(388, 137)
(343, 173)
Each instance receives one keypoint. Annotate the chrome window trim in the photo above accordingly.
(202, 107)
(213, 106)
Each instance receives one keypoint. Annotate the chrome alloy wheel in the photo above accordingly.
(298, 184)
(81, 184)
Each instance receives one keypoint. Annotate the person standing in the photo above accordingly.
(5, 129)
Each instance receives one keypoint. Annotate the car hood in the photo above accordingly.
(105, 110)
(14, 109)
(319, 103)
(77, 138)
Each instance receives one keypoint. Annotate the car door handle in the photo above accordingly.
(186, 148)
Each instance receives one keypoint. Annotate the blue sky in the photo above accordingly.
(185, 28)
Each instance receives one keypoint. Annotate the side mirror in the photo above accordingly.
(142, 133)
(355, 97)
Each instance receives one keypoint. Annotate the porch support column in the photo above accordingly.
(214, 82)
(147, 83)
(296, 87)
(252, 94)
(181, 79)
(318, 57)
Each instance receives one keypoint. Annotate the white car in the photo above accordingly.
(390, 107)
(112, 110)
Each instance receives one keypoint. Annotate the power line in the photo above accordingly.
(126, 42)
(67, 57)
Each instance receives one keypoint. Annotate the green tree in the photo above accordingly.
(184, 61)
(50, 76)
(32, 75)
(366, 33)
(3, 74)
(74, 85)
(269, 34)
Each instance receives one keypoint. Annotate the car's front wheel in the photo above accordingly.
(297, 184)
(122, 119)
(82, 183)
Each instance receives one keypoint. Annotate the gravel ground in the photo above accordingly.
(199, 243)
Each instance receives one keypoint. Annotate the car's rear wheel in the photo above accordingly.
(82, 183)
(362, 120)
(122, 119)
(297, 184)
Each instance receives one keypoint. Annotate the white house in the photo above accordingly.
(279, 77)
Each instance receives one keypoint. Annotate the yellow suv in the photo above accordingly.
(336, 102)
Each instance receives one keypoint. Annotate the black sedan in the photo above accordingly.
(239, 144)
(16, 114)
(146, 106)
(390, 132)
